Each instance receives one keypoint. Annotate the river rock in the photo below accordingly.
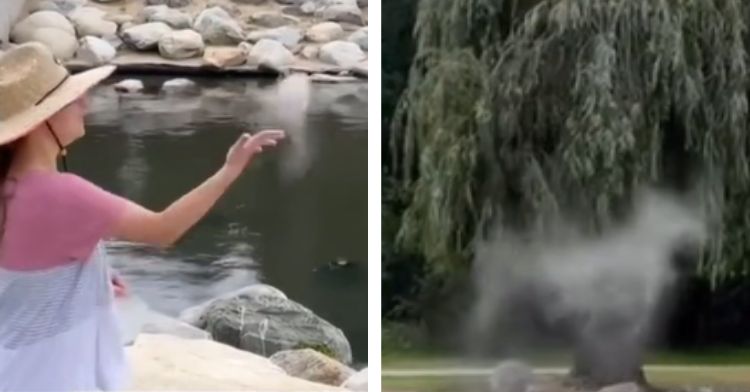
(86, 11)
(310, 52)
(359, 37)
(170, 363)
(511, 376)
(217, 27)
(308, 7)
(120, 19)
(262, 320)
(51, 29)
(181, 44)
(222, 57)
(271, 55)
(341, 53)
(129, 86)
(95, 50)
(177, 85)
(303, 9)
(145, 36)
(91, 21)
(61, 6)
(324, 32)
(287, 35)
(24, 29)
(272, 19)
(171, 3)
(253, 2)
(624, 387)
(345, 11)
(311, 365)
(357, 382)
(226, 5)
(360, 69)
(172, 17)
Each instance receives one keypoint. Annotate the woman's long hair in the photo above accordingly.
(6, 158)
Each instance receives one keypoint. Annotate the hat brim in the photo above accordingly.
(75, 86)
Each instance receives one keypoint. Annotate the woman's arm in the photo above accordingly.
(139, 224)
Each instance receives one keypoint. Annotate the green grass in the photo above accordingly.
(425, 359)
(731, 377)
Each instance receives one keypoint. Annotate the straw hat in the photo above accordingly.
(34, 85)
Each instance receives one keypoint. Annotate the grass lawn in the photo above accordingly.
(728, 368)
(732, 378)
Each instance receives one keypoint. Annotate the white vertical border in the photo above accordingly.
(374, 158)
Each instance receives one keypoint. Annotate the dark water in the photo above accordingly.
(295, 211)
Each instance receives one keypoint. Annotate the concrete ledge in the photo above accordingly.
(152, 63)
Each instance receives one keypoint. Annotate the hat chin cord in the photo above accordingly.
(63, 151)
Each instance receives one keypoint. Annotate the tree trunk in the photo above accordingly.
(607, 362)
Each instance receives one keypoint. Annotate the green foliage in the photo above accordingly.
(519, 111)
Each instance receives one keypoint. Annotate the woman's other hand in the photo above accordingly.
(120, 288)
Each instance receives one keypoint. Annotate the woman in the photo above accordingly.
(58, 329)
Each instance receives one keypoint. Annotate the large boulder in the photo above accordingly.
(261, 319)
(163, 362)
(324, 32)
(270, 55)
(145, 36)
(91, 21)
(181, 44)
(311, 365)
(95, 51)
(158, 323)
(217, 27)
(341, 53)
(287, 35)
(357, 382)
(222, 57)
(345, 11)
(359, 37)
(51, 29)
(172, 17)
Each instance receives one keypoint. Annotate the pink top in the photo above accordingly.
(54, 219)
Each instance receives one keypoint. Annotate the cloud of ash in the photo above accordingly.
(599, 288)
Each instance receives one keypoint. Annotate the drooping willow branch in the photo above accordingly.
(519, 111)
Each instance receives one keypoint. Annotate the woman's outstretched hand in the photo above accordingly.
(245, 148)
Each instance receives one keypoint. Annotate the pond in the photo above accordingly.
(297, 219)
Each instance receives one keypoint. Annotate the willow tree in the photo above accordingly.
(520, 111)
